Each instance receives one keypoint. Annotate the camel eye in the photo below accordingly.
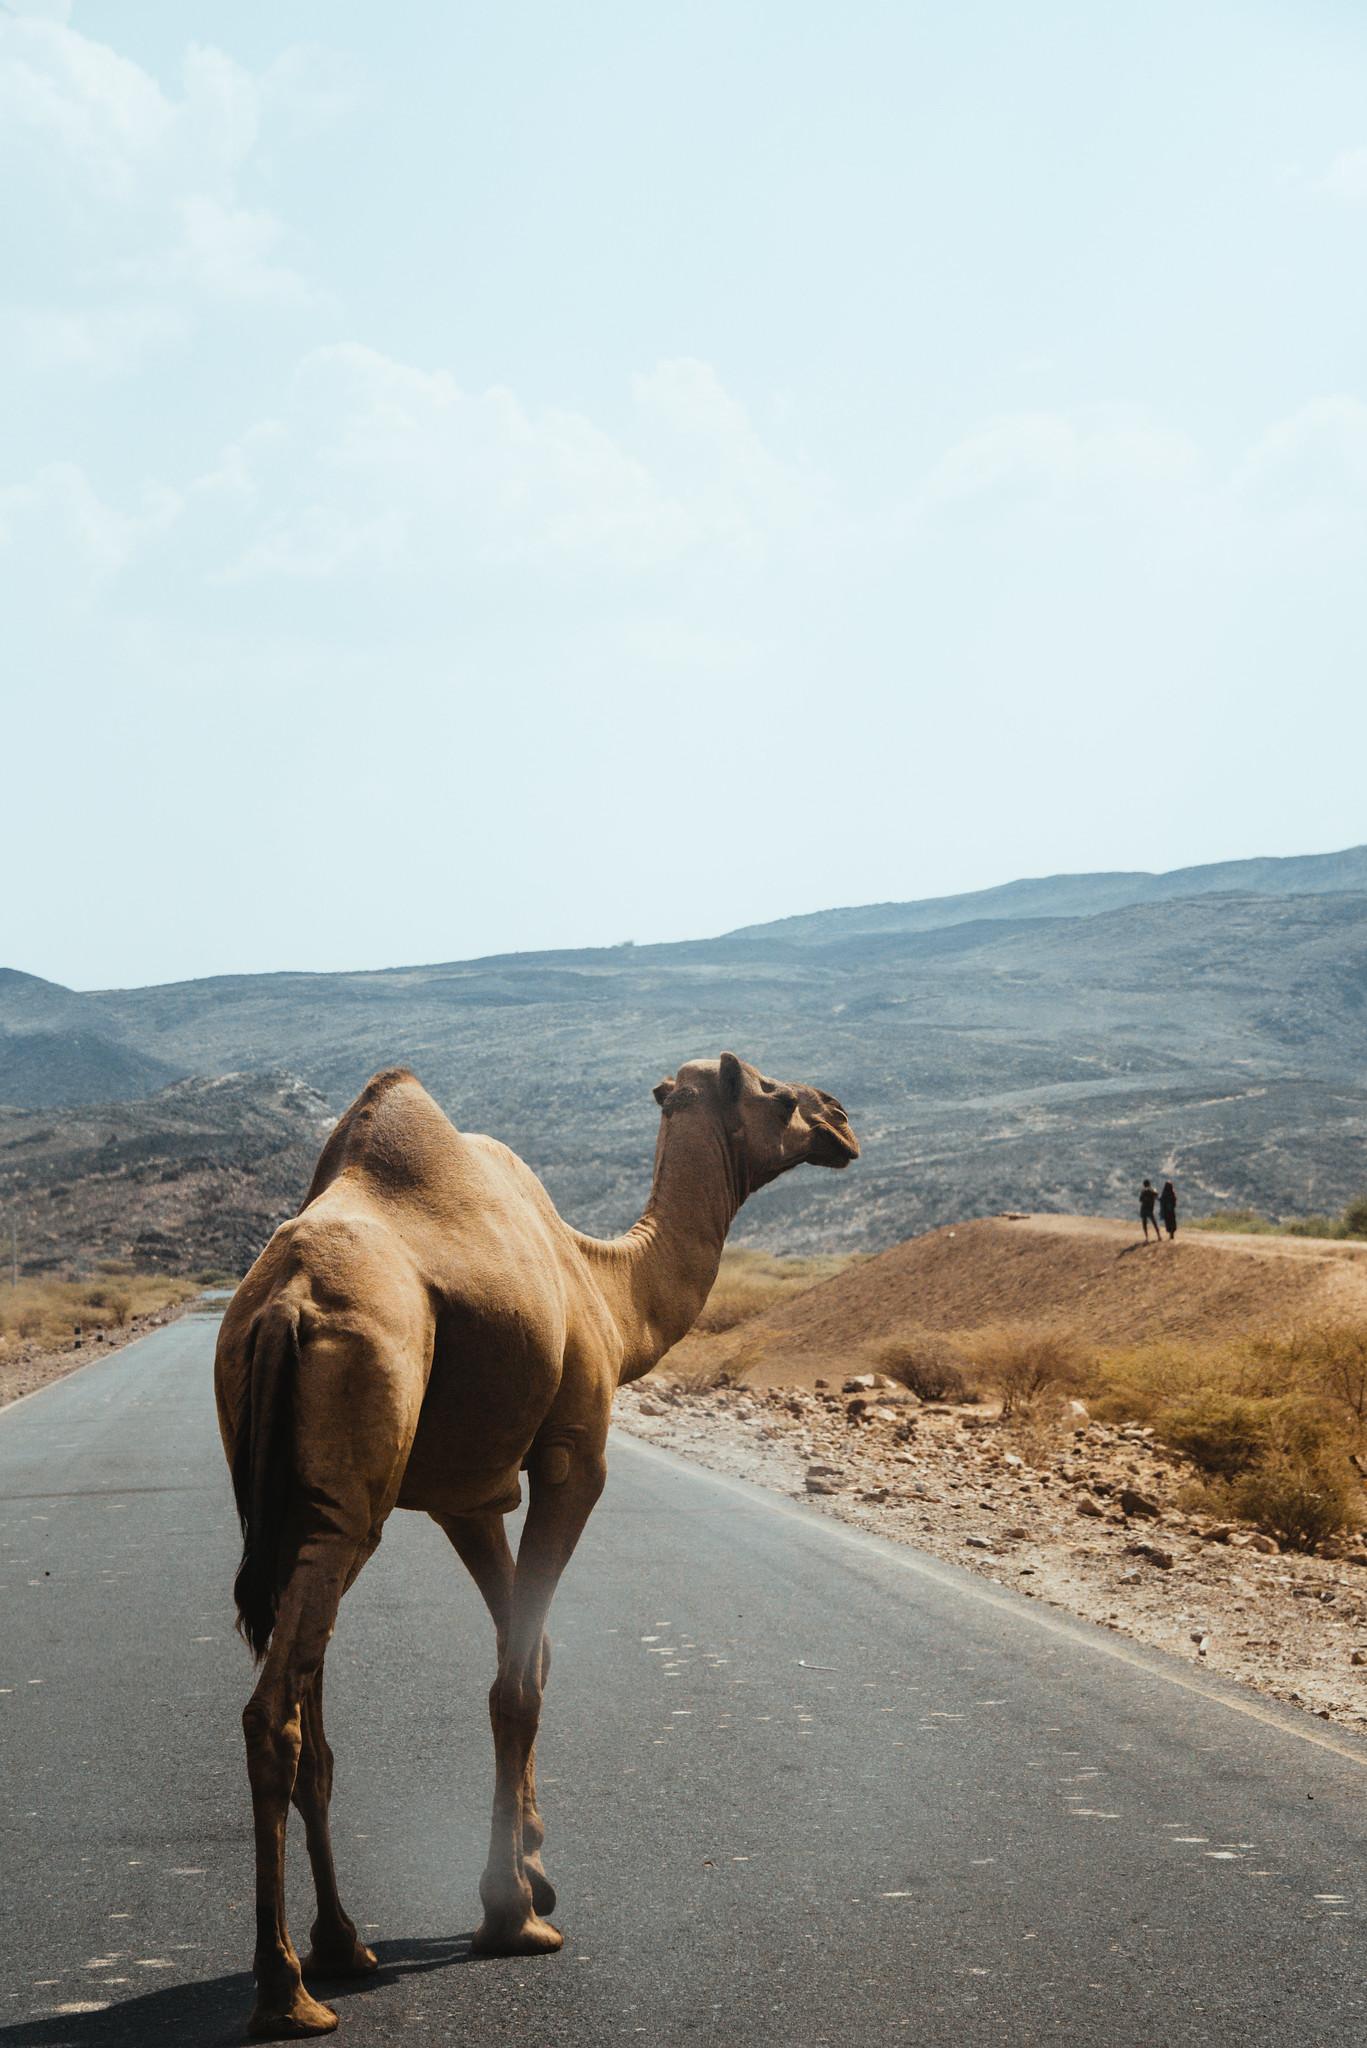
(787, 1103)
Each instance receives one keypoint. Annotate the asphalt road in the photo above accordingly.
(802, 1787)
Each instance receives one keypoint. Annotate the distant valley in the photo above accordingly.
(1037, 1046)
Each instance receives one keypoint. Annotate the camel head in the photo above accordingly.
(773, 1125)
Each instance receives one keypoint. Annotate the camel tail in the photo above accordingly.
(262, 1468)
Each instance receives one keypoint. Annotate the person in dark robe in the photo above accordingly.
(1167, 1208)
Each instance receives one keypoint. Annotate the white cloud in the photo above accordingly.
(104, 341)
(147, 191)
(61, 515)
(383, 463)
(1314, 461)
(1058, 455)
(377, 468)
(224, 252)
(1346, 177)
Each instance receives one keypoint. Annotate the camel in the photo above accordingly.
(425, 1329)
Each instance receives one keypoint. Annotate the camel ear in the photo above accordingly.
(732, 1077)
(663, 1090)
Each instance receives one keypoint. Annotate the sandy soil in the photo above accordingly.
(26, 1367)
(1050, 1517)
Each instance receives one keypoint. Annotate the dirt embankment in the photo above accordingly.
(1083, 1515)
(1093, 1274)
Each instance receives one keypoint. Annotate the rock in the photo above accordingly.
(1355, 1557)
(1088, 1506)
(1358, 1657)
(978, 1542)
(648, 1407)
(821, 1385)
(1201, 1640)
(1012, 1462)
(1154, 1553)
(1255, 1539)
(1135, 1503)
(859, 1383)
(816, 1484)
(1219, 1532)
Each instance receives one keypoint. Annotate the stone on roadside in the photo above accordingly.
(1255, 1539)
(1152, 1553)
(1088, 1506)
(1137, 1504)
(859, 1383)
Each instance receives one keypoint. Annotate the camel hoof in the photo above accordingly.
(340, 1959)
(529, 1937)
(543, 1891)
(301, 2017)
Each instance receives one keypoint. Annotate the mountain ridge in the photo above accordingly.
(1043, 1062)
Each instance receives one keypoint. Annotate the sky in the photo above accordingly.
(476, 479)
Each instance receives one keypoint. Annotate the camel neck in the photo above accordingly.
(665, 1265)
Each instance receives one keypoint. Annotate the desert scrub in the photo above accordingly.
(926, 1363)
(1299, 1499)
(1350, 1222)
(1032, 1365)
(751, 1282)
(48, 1312)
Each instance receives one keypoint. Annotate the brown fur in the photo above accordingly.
(426, 1327)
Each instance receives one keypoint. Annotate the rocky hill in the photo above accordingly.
(197, 1175)
(1039, 1046)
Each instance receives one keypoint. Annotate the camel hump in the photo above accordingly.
(392, 1122)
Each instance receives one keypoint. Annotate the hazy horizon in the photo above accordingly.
(487, 484)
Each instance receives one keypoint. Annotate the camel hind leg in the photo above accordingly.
(356, 1400)
(336, 1949)
(273, 1724)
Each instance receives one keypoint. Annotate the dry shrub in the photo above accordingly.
(1330, 1359)
(1227, 1435)
(1299, 1499)
(926, 1363)
(1221, 1433)
(1032, 1366)
(48, 1311)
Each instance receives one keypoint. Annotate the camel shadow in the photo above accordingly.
(213, 2012)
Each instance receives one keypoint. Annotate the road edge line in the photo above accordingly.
(1088, 1635)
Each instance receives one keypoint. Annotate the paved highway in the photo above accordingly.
(802, 1787)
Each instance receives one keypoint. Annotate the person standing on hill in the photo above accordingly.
(1167, 1208)
(1148, 1197)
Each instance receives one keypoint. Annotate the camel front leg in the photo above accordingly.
(481, 1542)
(564, 1484)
